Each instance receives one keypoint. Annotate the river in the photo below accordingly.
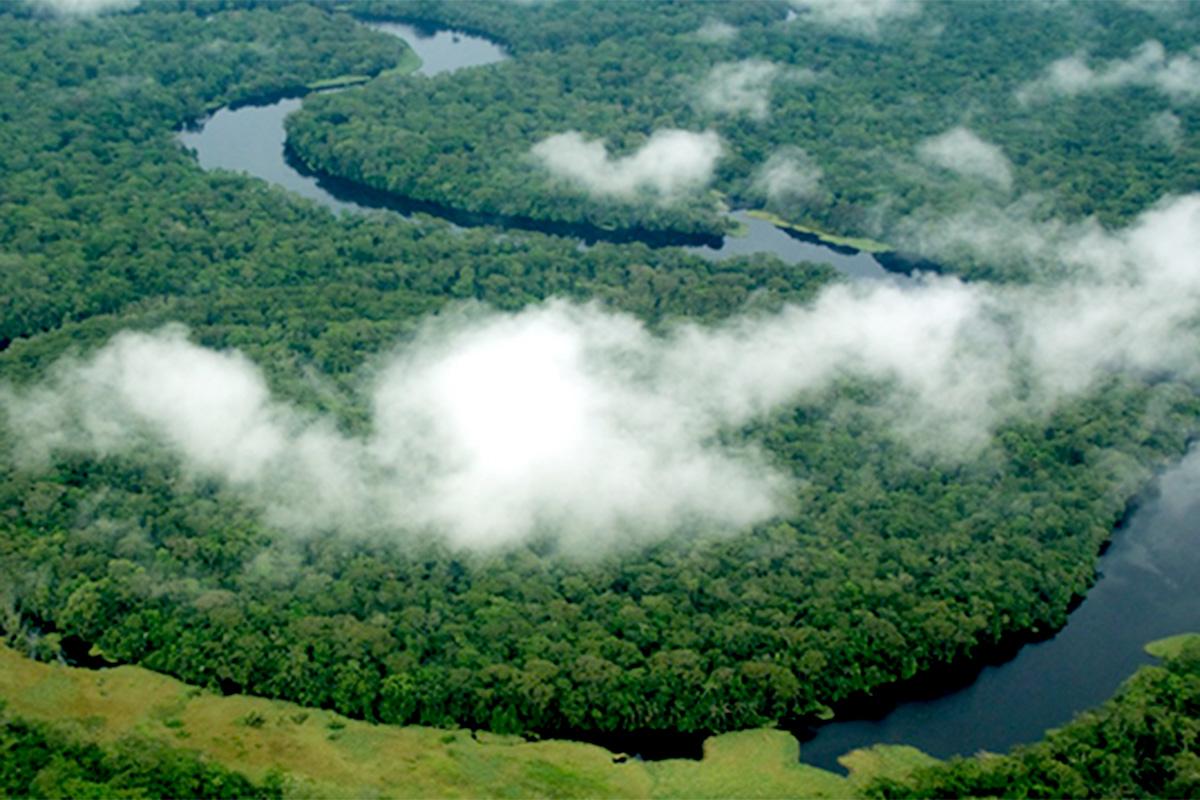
(251, 138)
(1145, 590)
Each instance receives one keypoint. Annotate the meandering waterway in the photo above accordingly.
(1147, 579)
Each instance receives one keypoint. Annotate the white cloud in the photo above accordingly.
(582, 425)
(741, 87)
(671, 162)
(1164, 128)
(715, 30)
(80, 8)
(1163, 8)
(1148, 66)
(487, 431)
(790, 174)
(961, 150)
(857, 16)
(554, 419)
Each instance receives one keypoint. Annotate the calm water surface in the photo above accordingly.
(1147, 590)
(251, 139)
(444, 51)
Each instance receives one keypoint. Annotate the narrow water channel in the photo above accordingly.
(251, 139)
(1147, 579)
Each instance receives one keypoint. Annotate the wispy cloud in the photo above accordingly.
(82, 8)
(744, 87)
(1165, 128)
(1148, 66)
(671, 162)
(715, 30)
(856, 16)
(960, 150)
(789, 175)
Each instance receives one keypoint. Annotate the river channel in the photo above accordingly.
(1146, 579)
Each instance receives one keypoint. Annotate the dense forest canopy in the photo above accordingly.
(934, 467)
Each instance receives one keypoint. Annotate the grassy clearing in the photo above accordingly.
(1171, 646)
(892, 760)
(338, 82)
(409, 63)
(758, 763)
(856, 243)
(327, 755)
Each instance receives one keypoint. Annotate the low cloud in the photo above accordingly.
(1101, 301)
(559, 417)
(1161, 8)
(489, 430)
(856, 16)
(1148, 66)
(715, 30)
(82, 8)
(960, 150)
(1164, 128)
(788, 176)
(670, 163)
(580, 425)
(744, 87)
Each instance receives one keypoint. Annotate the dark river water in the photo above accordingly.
(1146, 589)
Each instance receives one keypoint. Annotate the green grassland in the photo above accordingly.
(1172, 646)
(324, 754)
(856, 243)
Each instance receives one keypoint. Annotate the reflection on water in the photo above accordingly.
(444, 51)
(250, 139)
(763, 237)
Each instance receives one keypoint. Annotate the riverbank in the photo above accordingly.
(321, 754)
(850, 244)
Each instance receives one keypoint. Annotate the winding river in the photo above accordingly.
(1147, 577)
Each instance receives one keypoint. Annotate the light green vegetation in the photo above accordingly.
(857, 243)
(334, 83)
(324, 754)
(1172, 646)
(408, 63)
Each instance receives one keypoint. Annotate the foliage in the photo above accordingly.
(312, 753)
(42, 761)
